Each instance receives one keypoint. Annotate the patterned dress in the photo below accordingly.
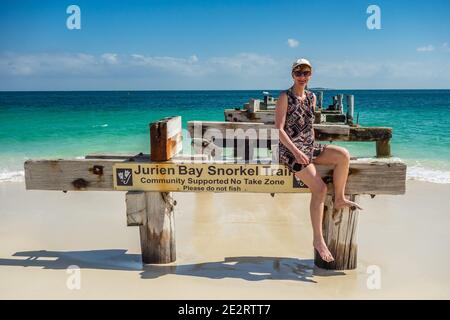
(299, 127)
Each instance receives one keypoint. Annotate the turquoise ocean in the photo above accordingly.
(47, 125)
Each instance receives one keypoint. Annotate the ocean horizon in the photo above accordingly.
(72, 124)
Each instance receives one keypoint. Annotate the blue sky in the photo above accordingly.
(171, 45)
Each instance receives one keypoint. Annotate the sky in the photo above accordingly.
(222, 45)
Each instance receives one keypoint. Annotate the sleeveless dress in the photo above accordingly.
(299, 127)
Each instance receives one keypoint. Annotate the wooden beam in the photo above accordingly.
(69, 175)
(366, 176)
(329, 133)
(91, 174)
(143, 157)
(335, 129)
(165, 138)
(157, 232)
(265, 116)
(383, 148)
(322, 132)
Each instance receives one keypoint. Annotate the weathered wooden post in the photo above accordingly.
(136, 208)
(340, 233)
(350, 108)
(383, 148)
(266, 100)
(153, 211)
(254, 105)
(334, 105)
(340, 98)
(320, 100)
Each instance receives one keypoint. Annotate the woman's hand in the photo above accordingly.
(301, 158)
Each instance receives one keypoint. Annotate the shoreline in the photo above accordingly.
(260, 244)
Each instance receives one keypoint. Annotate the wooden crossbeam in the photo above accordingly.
(366, 176)
(260, 131)
(322, 132)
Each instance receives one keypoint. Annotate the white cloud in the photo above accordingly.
(244, 70)
(110, 58)
(243, 64)
(180, 66)
(193, 58)
(44, 63)
(293, 43)
(427, 48)
(445, 47)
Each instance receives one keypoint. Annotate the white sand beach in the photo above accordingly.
(238, 246)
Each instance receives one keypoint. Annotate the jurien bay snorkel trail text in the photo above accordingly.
(213, 170)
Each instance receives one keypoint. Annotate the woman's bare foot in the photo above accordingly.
(343, 203)
(323, 251)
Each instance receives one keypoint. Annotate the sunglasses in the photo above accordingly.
(306, 73)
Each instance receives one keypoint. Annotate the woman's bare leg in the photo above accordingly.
(318, 189)
(340, 158)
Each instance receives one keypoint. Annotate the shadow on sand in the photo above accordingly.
(247, 268)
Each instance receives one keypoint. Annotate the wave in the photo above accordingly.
(420, 173)
(100, 125)
(12, 176)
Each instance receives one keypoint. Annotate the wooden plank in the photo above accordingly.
(143, 157)
(221, 130)
(322, 132)
(336, 129)
(90, 174)
(265, 116)
(165, 138)
(73, 175)
(354, 134)
(366, 176)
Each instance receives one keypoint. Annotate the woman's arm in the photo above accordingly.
(280, 119)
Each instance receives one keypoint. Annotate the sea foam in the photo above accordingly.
(12, 176)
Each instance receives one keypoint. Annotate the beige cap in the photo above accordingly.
(300, 62)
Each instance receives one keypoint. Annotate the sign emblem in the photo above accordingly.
(124, 177)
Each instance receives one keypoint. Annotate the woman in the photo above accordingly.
(294, 117)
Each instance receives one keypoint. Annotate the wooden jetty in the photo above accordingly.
(257, 110)
(322, 132)
(150, 179)
(330, 124)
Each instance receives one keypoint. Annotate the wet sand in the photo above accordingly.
(237, 246)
